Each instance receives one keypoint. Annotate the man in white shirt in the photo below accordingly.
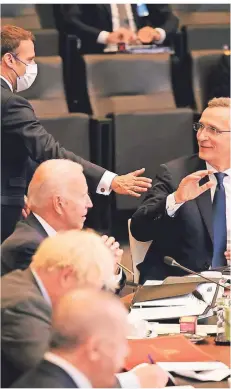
(63, 263)
(187, 212)
(99, 25)
(58, 199)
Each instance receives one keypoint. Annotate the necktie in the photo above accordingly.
(123, 17)
(219, 223)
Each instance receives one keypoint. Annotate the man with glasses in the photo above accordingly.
(24, 139)
(187, 213)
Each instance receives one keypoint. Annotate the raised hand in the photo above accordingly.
(189, 187)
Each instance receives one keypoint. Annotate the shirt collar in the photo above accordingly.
(49, 230)
(8, 83)
(41, 287)
(77, 376)
(210, 167)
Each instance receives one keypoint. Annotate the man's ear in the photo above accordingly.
(93, 347)
(66, 277)
(58, 203)
(8, 59)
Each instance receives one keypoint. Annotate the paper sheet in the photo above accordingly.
(193, 366)
(172, 312)
(207, 375)
(167, 328)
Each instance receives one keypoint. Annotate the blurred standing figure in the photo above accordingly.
(24, 139)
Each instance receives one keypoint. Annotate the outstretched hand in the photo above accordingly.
(131, 184)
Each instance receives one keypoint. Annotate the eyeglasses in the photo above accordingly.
(199, 127)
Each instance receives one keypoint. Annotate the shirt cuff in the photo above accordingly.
(171, 205)
(128, 380)
(162, 35)
(104, 186)
(102, 37)
(118, 276)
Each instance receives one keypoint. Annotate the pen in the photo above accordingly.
(171, 380)
(150, 359)
(125, 268)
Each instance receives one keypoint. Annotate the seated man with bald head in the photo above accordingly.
(59, 201)
(66, 261)
(83, 353)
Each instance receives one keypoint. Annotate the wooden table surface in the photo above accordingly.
(220, 353)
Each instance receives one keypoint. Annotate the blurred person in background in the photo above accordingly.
(69, 260)
(99, 25)
(24, 139)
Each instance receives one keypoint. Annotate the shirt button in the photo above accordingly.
(102, 190)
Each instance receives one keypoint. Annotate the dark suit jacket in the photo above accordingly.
(88, 20)
(23, 137)
(25, 325)
(187, 237)
(18, 249)
(45, 375)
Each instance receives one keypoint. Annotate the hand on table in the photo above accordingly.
(121, 35)
(150, 376)
(148, 35)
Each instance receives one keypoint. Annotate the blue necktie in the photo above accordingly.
(219, 223)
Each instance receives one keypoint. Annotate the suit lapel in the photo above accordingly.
(4, 84)
(204, 203)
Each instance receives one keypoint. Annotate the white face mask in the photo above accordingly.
(24, 82)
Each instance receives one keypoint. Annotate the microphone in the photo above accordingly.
(171, 262)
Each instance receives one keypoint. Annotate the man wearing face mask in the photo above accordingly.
(24, 139)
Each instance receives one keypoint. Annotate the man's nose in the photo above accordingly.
(202, 135)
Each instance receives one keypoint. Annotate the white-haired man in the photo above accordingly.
(69, 260)
(58, 199)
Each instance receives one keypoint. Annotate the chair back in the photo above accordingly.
(138, 252)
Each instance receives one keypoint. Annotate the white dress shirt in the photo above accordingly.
(103, 35)
(51, 232)
(104, 186)
(77, 376)
(172, 207)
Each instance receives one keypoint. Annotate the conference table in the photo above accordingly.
(221, 354)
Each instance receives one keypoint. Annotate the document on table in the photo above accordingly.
(207, 375)
(207, 291)
(155, 313)
(169, 328)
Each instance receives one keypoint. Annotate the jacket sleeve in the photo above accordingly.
(161, 15)
(27, 330)
(21, 121)
(150, 217)
(74, 16)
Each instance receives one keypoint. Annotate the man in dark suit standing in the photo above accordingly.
(23, 137)
(187, 212)
(69, 260)
(56, 205)
(82, 326)
(98, 25)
